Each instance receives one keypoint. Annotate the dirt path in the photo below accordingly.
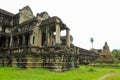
(107, 75)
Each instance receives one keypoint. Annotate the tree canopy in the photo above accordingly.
(92, 40)
(116, 53)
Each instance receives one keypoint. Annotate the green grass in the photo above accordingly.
(116, 77)
(81, 73)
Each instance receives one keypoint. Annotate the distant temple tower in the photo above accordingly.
(105, 55)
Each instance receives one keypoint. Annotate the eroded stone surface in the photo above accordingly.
(105, 55)
(35, 41)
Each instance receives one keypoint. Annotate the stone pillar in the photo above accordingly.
(50, 34)
(29, 39)
(11, 40)
(47, 36)
(40, 37)
(57, 40)
(0, 40)
(23, 37)
(68, 38)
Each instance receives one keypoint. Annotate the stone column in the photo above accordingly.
(11, 40)
(28, 39)
(50, 34)
(57, 40)
(0, 40)
(23, 37)
(68, 38)
(40, 37)
(47, 36)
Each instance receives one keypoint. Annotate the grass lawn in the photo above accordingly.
(81, 73)
(116, 77)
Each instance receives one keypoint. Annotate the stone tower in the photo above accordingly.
(105, 55)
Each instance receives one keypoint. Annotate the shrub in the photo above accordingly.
(91, 69)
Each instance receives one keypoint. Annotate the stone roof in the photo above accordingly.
(63, 38)
(87, 51)
(53, 20)
(6, 13)
(28, 21)
(49, 20)
(98, 51)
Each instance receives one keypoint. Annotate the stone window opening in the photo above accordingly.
(27, 40)
(8, 41)
(52, 42)
(2, 41)
(20, 40)
(43, 39)
(15, 41)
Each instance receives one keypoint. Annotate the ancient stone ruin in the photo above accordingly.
(35, 41)
(105, 55)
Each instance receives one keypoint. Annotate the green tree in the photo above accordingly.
(92, 40)
(116, 53)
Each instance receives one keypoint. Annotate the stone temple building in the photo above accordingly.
(35, 41)
(105, 56)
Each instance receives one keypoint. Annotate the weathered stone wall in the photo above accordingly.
(58, 60)
(55, 58)
(25, 14)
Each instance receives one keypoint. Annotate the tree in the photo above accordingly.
(116, 53)
(92, 40)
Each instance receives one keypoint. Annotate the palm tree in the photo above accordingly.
(92, 40)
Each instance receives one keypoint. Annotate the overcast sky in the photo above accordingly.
(99, 19)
